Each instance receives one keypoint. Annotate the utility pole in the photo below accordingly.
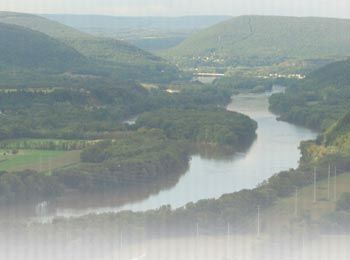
(315, 179)
(197, 230)
(335, 183)
(50, 166)
(258, 229)
(41, 164)
(296, 203)
(228, 240)
(329, 182)
(228, 230)
(121, 241)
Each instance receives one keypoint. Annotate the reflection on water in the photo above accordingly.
(274, 150)
(219, 153)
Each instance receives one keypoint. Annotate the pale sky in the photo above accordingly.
(328, 8)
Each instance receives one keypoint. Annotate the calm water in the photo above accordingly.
(275, 149)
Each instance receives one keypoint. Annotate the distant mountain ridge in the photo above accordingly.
(129, 22)
(149, 33)
(265, 40)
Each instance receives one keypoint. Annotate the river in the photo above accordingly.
(274, 150)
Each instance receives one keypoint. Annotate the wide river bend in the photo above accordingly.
(274, 150)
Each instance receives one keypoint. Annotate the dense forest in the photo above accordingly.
(86, 113)
(126, 159)
(208, 126)
(64, 113)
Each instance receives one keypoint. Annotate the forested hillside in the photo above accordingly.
(264, 40)
(318, 101)
(333, 74)
(339, 135)
(20, 47)
(109, 57)
(33, 59)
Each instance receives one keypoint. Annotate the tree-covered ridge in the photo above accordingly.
(108, 57)
(207, 125)
(21, 47)
(265, 40)
(318, 101)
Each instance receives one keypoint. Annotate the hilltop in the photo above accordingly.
(112, 57)
(265, 40)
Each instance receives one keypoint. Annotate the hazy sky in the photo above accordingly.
(330, 8)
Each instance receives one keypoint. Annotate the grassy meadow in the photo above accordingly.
(38, 160)
(284, 211)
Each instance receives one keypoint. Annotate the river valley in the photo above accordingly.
(274, 150)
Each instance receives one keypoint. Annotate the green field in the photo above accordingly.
(38, 160)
